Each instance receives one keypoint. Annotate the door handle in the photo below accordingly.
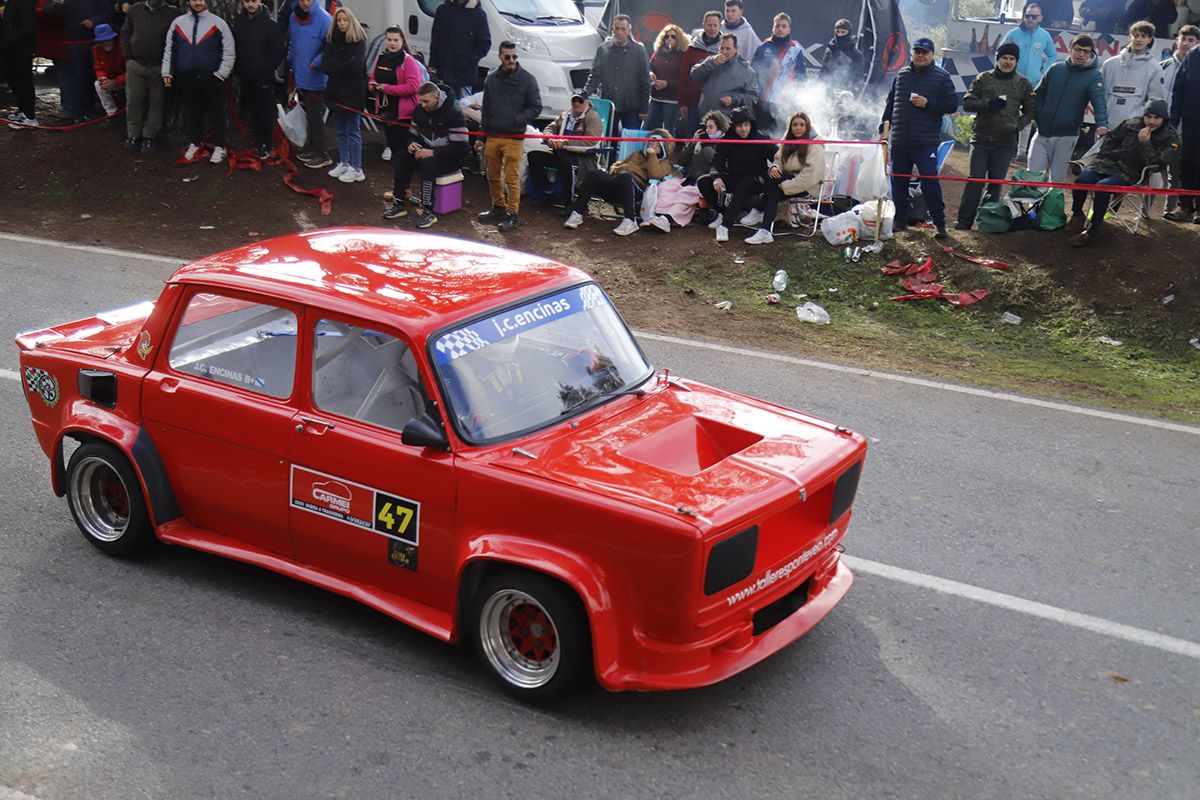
(318, 423)
(168, 385)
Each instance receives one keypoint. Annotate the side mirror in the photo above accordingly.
(423, 431)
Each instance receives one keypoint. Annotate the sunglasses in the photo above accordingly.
(1033, 16)
(508, 58)
(671, 36)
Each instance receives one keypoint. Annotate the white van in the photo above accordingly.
(555, 41)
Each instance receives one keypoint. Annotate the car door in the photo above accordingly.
(365, 505)
(218, 407)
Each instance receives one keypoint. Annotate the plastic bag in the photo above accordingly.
(811, 312)
(842, 228)
(866, 214)
(293, 123)
(649, 201)
(872, 180)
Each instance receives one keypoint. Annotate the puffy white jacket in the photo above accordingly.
(1129, 81)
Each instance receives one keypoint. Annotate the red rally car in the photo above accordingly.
(463, 437)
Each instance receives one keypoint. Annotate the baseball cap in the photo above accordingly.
(924, 43)
(580, 96)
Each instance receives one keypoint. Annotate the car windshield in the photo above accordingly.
(529, 366)
(546, 11)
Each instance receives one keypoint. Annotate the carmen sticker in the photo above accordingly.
(43, 384)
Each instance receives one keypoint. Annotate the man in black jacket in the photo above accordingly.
(511, 100)
(1185, 117)
(76, 74)
(458, 40)
(143, 39)
(17, 34)
(438, 146)
(259, 45)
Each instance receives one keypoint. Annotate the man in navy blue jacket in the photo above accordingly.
(1185, 116)
(458, 41)
(921, 95)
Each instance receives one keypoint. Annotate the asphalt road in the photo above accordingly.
(1024, 625)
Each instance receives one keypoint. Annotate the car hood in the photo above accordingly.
(690, 449)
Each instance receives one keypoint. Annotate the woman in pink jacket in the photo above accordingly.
(395, 79)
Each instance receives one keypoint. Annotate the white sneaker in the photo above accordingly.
(574, 221)
(352, 175)
(722, 233)
(218, 155)
(191, 151)
(760, 236)
(658, 221)
(626, 227)
(752, 218)
(339, 170)
(716, 223)
(20, 120)
(387, 154)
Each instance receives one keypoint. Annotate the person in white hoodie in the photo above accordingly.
(1132, 77)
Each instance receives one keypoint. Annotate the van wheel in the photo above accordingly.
(531, 632)
(106, 500)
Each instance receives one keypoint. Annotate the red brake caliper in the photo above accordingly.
(114, 495)
(531, 632)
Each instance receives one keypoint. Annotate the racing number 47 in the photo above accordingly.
(396, 517)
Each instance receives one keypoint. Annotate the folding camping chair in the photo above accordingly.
(1129, 210)
(804, 211)
(605, 110)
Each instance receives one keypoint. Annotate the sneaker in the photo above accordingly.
(190, 153)
(1177, 215)
(387, 154)
(425, 219)
(752, 218)
(218, 155)
(415, 199)
(148, 146)
(17, 121)
(263, 152)
(395, 210)
(716, 223)
(1076, 224)
(305, 157)
(339, 170)
(939, 231)
(509, 222)
(131, 144)
(352, 175)
(317, 161)
(626, 227)
(1196, 220)
(761, 236)
(496, 215)
(658, 221)
(722, 233)
(962, 226)
(573, 221)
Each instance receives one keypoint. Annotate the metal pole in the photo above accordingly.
(887, 128)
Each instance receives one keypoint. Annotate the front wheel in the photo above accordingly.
(106, 500)
(531, 632)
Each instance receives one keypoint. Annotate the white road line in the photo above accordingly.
(1168, 644)
(1178, 427)
(87, 248)
(8, 373)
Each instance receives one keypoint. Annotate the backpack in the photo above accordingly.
(994, 218)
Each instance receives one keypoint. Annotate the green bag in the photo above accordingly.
(1029, 192)
(994, 218)
(1052, 213)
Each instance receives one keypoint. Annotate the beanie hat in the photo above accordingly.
(1157, 108)
(740, 114)
(1009, 49)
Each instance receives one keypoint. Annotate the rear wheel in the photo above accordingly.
(106, 500)
(531, 632)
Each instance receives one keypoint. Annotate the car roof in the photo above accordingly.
(428, 281)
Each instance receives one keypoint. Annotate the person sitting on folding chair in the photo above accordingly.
(625, 182)
(569, 156)
(798, 169)
(1128, 154)
(740, 170)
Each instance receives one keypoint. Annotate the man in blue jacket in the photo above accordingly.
(1063, 95)
(921, 95)
(458, 40)
(306, 31)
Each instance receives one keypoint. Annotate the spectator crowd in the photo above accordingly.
(735, 94)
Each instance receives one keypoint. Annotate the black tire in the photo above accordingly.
(106, 500)
(531, 634)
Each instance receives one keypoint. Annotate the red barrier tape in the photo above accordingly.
(62, 128)
(1091, 187)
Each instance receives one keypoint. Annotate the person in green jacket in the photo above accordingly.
(1003, 102)
(1063, 94)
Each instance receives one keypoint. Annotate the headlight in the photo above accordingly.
(524, 40)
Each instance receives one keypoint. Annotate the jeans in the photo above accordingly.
(75, 77)
(349, 137)
(503, 157)
(987, 161)
(144, 99)
(1100, 200)
(922, 158)
(662, 115)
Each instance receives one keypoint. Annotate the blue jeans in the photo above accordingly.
(662, 115)
(923, 158)
(75, 77)
(1099, 200)
(349, 137)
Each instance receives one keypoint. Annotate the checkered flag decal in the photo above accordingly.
(458, 343)
(591, 297)
(42, 383)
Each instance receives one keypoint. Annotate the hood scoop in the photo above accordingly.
(691, 445)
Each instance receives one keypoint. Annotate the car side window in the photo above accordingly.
(238, 343)
(366, 375)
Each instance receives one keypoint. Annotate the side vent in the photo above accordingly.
(844, 491)
(98, 386)
(731, 560)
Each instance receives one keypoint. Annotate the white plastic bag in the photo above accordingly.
(293, 123)
(649, 201)
(842, 228)
(866, 213)
(811, 312)
(872, 180)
